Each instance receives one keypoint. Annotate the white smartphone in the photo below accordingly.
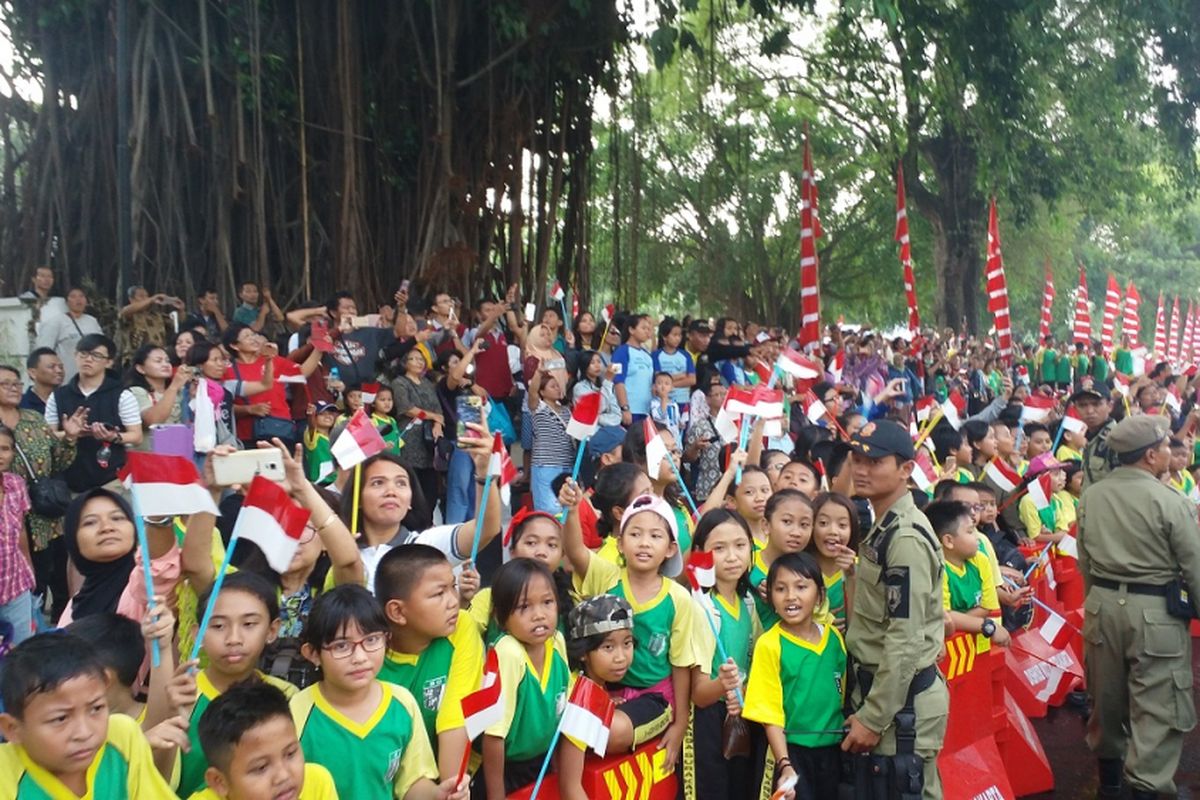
(242, 466)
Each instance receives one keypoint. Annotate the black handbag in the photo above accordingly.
(48, 496)
(268, 428)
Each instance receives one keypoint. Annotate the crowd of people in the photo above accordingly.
(845, 543)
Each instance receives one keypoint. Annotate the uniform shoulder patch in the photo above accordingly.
(896, 587)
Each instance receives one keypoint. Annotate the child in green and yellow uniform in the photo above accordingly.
(663, 656)
(253, 751)
(245, 620)
(797, 681)
(381, 417)
(968, 584)
(664, 483)
(318, 455)
(789, 519)
(1047, 361)
(1052, 523)
(534, 677)
(351, 711)
(715, 682)
(435, 650)
(1180, 479)
(835, 535)
(61, 740)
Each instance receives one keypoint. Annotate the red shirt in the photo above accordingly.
(492, 371)
(276, 396)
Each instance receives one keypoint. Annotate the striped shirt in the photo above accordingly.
(552, 447)
(16, 576)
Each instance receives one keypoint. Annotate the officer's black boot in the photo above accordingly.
(1111, 770)
(1143, 794)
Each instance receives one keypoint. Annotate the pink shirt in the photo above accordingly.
(166, 569)
(16, 575)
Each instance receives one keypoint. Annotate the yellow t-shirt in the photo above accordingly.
(1066, 453)
(318, 785)
(988, 600)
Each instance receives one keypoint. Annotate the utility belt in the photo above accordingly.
(898, 777)
(1179, 602)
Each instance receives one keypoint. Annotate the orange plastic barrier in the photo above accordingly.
(640, 775)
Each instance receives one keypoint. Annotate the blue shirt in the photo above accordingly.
(732, 372)
(637, 373)
(677, 363)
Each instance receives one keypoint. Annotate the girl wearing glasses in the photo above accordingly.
(367, 733)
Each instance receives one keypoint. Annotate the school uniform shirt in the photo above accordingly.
(535, 695)
(971, 586)
(1067, 453)
(766, 612)
(391, 440)
(737, 627)
(481, 614)
(318, 457)
(835, 595)
(1186, 485)
(799, 686)
(450, 668)
(677, 363)
(122, 769)
(318, 785)
(374, 760)
(662, 626)
(190, 766)
(1059, 516)
(636, 371)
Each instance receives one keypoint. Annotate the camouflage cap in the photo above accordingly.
(603, 613)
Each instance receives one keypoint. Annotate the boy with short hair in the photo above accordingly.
(121, 645)
(1037, 441)
(662, 408)
(253, 753)
(62, 742)
(318, 453)
(968, 588)
(435, 651)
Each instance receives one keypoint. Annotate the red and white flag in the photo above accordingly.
(1039, 491)
(1082, 326)
(1072, 422)
(272, 521)
(1055, 631)
(608, 312)
(925, 407)
(1036, 408)
(700, 570)
(656, 448)
(726, 425)
(484, 708)
(757, 402)
(1112, 307)
(165, 486)
(507, 470)
(1121, 383)
(1003, 475)
(1196, 335)
(1132, 327)
(574, 304)
(584, 417)
(997, 285)
(798, 365)
(369, 390)
(557, 292)
(1068, 545)
(1185, 340)
(923, 474)
(1047, 304)
(1173, 334)
(588, 716)
(810, 231)
(836, 365)
(954, 409)
(357, 442)
(910, 284)
(1172, 399)
(814, 409)
(1160, 330)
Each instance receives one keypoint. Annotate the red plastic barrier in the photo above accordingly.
(641, 774)
(1038, 674)
(1070, 582)
(1022, 753)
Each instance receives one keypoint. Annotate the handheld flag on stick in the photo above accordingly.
(587, 719)
(1003, 475)
(1072, 422)
(358, 441)
(584, 417)
(1036, 408)
(799, 366)
(481, 709)
(757, 402)
(702, 575)
(923, 474)
(656, 448)
(495, 470)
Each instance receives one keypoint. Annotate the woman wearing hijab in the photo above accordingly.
(102, 546)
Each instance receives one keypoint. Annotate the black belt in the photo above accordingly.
(1133, 588)
(920, 682)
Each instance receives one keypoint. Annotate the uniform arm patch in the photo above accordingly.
(896, 585)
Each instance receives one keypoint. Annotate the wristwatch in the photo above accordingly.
(624, 409)
(988, 629)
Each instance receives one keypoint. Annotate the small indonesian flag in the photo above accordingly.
(1172, 399)
(1002, 475)
(757, 402)
(1039, 491)
(1069, 546)
(837, 365)
(369, 390)
(700, 570)
(288, 371)
(656, 448)
(557, 292)
(608, 312)
(925, 406)
(727, 426)
(814, 409)
(505, 470)
(484, 708)
(272, 521)
(1072, 422)
(954, 410)
(1055, 630)
(584, 417)
(166, 486)
(923, 473)
(1037, 408)
(589, 714)
(358, 441)
(798, 365)
(1121, 383)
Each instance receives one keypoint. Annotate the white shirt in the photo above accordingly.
(442, 537)
(127, 405)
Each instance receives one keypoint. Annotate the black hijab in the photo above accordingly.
(103, 581)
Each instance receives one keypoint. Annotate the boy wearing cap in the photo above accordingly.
(1139, 548)
(318, 456)
(662, 609)
(896, 633)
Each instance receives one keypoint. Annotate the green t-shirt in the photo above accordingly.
(375, 760)
(736, 632)
(1063, 371)
(1100, 369)
(758, 574)
(1049, 366)
(1124, 361)
(835, 593)
(534, 699)
(799, 686)
(318, 458)
(965, 585)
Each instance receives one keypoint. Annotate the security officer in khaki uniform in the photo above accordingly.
(1137, 539)
(1095, 410)
(896, 632)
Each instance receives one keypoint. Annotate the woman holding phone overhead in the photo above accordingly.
(462, 401)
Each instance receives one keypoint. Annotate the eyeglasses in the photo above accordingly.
(93, 355)
(307, 535)
(10, 384)
(344, 648)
